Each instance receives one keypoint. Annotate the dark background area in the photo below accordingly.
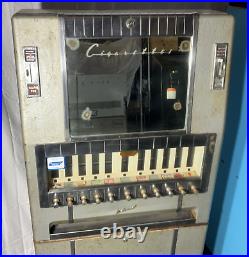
(141, 5)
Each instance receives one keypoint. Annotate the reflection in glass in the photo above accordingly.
(127, 84)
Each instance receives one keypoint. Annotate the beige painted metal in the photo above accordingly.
(43, 118)
(162, 241)
(209, 106)
(132, 174)
(54, 247)
(191, 240)
(43, 121)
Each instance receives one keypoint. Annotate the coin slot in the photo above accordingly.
(153, 159)
(108, 162)
(166, 158)
(191, 152)
(82, 165)
(124, 166)
(178, 157)
(140, 163)
(95, 164)
(68, 170)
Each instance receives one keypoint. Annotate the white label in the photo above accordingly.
(171, 93)
(32, 77)
(94, 51)
(56, 163)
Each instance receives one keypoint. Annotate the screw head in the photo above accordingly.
(130, 23)
(177, 106)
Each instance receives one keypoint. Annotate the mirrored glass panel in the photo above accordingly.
(123, 85)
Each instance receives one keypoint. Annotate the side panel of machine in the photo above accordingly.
(43, 117)
(209, 106)
(41, 217)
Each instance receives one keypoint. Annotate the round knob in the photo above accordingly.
(177, 106)
(184, 46)
(97, 198)
(143, 192)
(56, 201)
(130, 23)
(127, 194)
(110, 196)
(69, 201)
(193, 189)
(86, 114)
(181, 190)
(156, 191)
(168, 190)
(83, 199)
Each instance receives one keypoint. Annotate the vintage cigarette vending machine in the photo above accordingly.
(122, 116)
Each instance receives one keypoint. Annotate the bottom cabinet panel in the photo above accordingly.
(158, 242)
(183, 240)
(53, 247)
(190, 240)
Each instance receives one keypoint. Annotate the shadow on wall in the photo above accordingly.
(231, 135)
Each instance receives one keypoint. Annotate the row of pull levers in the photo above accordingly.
(178, 157)
(166, 160)
(143, 192)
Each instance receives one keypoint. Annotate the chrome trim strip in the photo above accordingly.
(84, 27)
(158, 25)
(140, 25)
(175, 24)
(64, 78)
(167, 28)
(111, 27)
(93, 26)
(149, 24)
(191, 75)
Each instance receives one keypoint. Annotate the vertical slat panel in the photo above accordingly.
(75, 167)
(89, 167)
(172, 157)
(115, 25)
(159, 160)
(101, 166)
(147, 158)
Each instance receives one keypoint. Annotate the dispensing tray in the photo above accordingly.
(93, 226)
